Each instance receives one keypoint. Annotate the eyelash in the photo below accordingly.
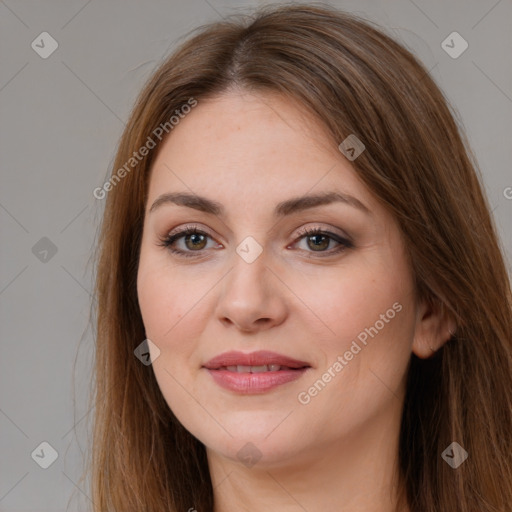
(304, 233)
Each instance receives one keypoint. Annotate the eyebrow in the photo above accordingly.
(282, 209)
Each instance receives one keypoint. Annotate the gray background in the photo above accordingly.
(61, 118)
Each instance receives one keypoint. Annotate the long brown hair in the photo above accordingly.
(356, 80)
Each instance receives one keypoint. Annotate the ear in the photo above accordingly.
(434, 327)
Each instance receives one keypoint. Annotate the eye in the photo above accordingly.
(195, 240)
(319, 240)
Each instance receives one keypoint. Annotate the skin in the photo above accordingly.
(338, 451)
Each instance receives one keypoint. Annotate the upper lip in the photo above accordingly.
(259, 358)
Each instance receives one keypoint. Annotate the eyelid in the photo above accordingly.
(304, 230)
(188, 227)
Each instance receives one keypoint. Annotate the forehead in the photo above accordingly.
(245, 146)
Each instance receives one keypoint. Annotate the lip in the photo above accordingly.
(259, 358)
(254, 383)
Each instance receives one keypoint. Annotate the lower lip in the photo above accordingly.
(253, 383)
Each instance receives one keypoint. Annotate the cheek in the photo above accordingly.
(173, 306)
(363, 366)
(346, 302)
(156, 304)
(366, 318)
(172, 323)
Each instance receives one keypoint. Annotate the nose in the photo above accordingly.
(251, 297)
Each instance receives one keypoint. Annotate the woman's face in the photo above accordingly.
(339, 303)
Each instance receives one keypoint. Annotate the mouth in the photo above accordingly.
(256, 372)
(257, 369)
(254, 362)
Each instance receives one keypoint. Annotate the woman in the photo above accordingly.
(302, 303)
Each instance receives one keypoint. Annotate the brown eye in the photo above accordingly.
(195, 241)
(318, 241)
(315, 242)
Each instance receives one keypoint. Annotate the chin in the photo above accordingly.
(251, 450)
(264, 441)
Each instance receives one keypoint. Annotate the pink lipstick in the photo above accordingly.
(255, 372)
